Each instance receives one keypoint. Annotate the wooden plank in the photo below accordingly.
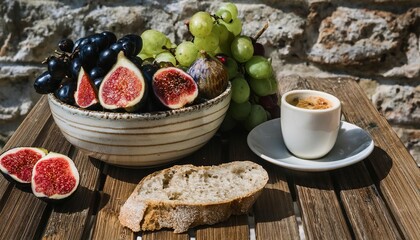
(365, 209)
(164, 234)
(16, 210)
(26, 135)
(273, 210)
(394, 168)
(71, 220)
(119, 185)
(322, 216)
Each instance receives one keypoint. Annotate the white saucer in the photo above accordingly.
(353, 145)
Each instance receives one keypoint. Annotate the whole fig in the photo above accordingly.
(210, 75)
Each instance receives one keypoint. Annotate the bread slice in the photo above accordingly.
(185, 196)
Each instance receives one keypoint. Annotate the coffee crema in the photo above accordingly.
(311, 102)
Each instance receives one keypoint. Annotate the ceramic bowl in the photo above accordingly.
(142, 139)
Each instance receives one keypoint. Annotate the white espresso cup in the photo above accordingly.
(308, 132)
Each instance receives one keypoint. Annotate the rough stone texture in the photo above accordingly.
(411, 139)
(374, 41)
(399, 104)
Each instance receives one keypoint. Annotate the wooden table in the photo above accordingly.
(378, 198)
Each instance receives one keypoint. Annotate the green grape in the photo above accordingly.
(231, 67)
(240, 111)
(258, 67)
(201, 24)
(242, 49)
(186, 53)
(209, 43)
(261, 87)
(274, 84)
(144, 55)
(221, 31)
(165, 57)
(240, 90)
(154, 42)
(231, 8)
(234, 27)
(225, 15)
(256, 116)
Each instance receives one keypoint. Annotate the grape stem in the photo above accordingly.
(261, 31)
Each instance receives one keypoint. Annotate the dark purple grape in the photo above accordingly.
(65, 92)
(129, 48)
(96, 72)
(136, 60)
(66, 45)
(97, 82)
(107, 58)
(77, 44)
(116, 47)
(75, 66)
(111, 37)
(88, 55)
(258, 49)
(100, 41)
(148, 71)
(85, 41)
(136, 39)
(45, 83)
(57, 67)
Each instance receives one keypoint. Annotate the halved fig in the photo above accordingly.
(174, 88)
(17, 163)
(123, 87)
(54, 177)
(86, 93)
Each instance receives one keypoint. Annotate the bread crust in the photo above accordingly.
(140, 214)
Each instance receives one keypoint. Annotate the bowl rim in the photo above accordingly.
(146, 115)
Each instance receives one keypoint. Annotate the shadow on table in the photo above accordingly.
(368, 172)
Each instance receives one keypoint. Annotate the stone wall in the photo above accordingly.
(374, 41)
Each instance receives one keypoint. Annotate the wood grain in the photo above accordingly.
(16, 209)
(119, 185)
(26, 134)
(273, 210)
(393, 167)
(365, 209)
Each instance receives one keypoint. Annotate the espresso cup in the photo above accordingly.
(310, 121)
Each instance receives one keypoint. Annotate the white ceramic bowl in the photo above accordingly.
(140, 140)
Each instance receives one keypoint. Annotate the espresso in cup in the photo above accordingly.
(311, 102)
(310, 121)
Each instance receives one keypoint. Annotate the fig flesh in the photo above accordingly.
(123, 86)
(86, 94)
(174, 88)
(17, 163)
(210, 74)
(54, 177)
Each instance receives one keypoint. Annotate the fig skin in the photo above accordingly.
(210, 75)
(133, 105)
(47, 161)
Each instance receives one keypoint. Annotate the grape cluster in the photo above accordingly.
(96, 53)
(254, 98)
